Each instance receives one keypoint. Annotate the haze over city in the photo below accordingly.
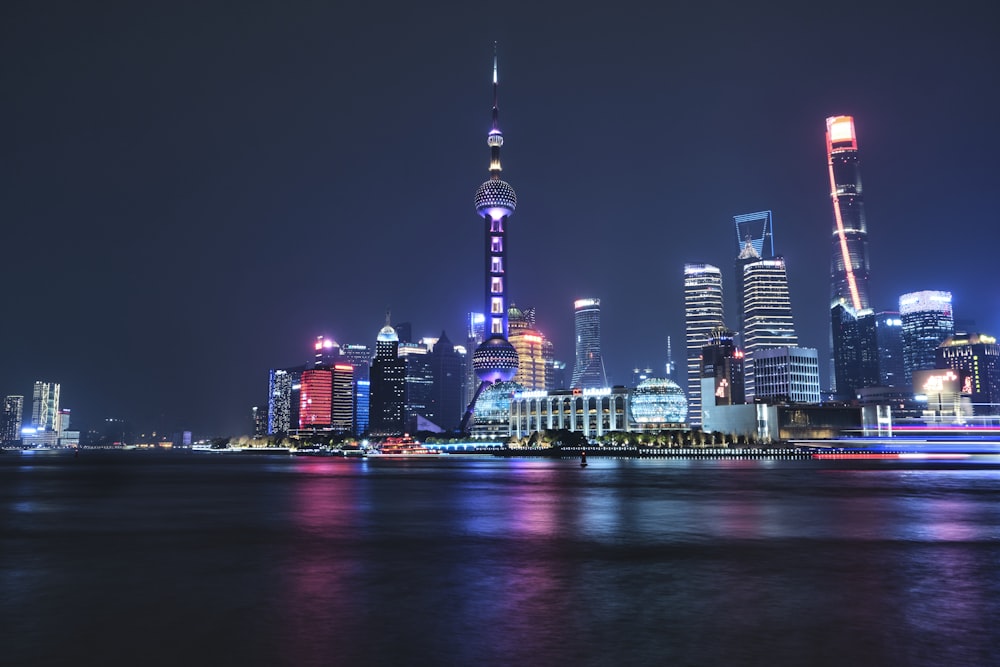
(192, 194)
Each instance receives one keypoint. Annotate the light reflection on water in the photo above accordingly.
(182, 559)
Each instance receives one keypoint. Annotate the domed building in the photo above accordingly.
(658, 403)
(491, 418)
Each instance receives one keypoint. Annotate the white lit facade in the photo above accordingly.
(787, 374)
(592, 412)
(702, 314)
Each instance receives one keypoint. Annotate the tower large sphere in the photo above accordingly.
(495, 198)
(495, 359)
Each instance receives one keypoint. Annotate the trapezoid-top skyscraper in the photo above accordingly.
(495, 360)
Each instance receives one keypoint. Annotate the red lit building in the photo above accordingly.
(316, 399)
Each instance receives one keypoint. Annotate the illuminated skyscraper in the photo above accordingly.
(888, 333)
(855, 350)
(279, 398)
(722, 371)
(849, 269)
(10, 428)
(327, 352)
(359, 356)
(388, 380)
(588, 372)
(702, 314)
(530, 346)
(756, 229)
(927, 320)
(342, 398)
(976, 358)
(316, 398)
(787, 374)
(45, 406)
(418, 384)
(495, 360)
(767, 309)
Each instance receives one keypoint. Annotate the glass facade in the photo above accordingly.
(755, 228)
(702, 315)
(767, 312)
(927, 320)
(788, 374)
(588, 372)
(658, 401)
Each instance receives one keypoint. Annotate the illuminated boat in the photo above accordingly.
(402, 446)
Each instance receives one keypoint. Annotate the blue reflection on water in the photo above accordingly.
(179, 559)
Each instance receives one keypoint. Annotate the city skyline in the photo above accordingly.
(217, 201)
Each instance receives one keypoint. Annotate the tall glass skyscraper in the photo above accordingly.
(588, 373)
(849, 270)
(388, 381)
(767, 311)
(10, 427)
(702, 314)
(45, 406)
(889, 334)
(927, 320)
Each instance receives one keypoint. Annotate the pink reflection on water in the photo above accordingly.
(317, 605)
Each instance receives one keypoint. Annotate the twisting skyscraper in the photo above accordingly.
(852, 340)
(588, 373)
(495, 360)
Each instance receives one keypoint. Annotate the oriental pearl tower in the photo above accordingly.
(495, 360)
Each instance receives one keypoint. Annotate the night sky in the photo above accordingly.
(191, 192)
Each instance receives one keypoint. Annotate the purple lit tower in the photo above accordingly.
(495, 360)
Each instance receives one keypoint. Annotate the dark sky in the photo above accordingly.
(191, 192)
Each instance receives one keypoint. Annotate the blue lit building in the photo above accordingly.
(927, 320)
(362, 393)
(889, 336)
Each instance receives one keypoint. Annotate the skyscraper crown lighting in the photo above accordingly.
(849, 269)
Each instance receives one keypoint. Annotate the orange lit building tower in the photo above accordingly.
(531, 349)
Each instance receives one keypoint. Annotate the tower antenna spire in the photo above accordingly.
(496, 123)
(495, 137)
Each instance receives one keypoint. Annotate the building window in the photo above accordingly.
(496, 244)
(496, 306)
(496, 286)
(496, 265)
(496, 225)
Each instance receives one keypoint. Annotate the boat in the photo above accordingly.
(402, 446)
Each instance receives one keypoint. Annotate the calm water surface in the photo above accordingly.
(141, 558)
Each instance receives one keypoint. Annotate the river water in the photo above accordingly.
(139, 558)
